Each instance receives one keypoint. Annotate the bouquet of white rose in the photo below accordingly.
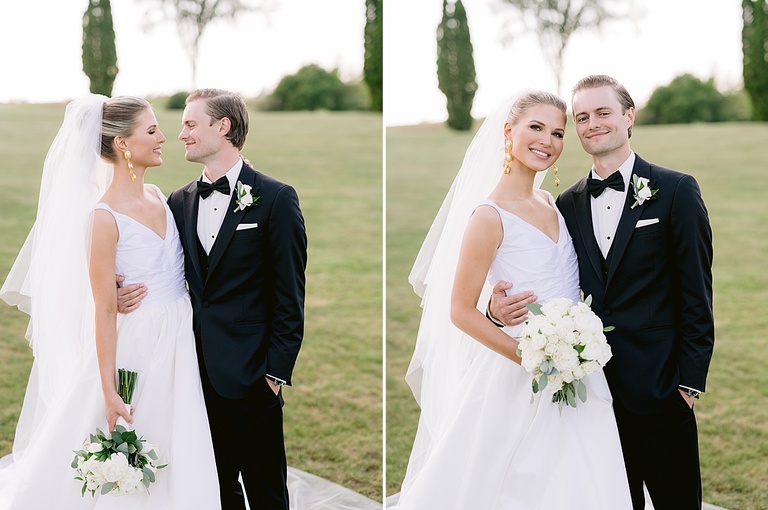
(562, 342)
(121, 462)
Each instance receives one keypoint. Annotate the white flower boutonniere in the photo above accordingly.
(642, 191)
(244, 198)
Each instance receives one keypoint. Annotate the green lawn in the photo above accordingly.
(333, 413)
(729, 163)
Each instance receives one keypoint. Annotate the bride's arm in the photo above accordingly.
(102, 274)
(478, 249)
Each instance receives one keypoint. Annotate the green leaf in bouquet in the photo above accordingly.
(581, 389)
(123, 448)
(74, 461)
(608, 328)
(152, 455)
(107, 487)
(543, 381)
(117, 437)
(545, 366)
(579, 348)
(149, 476)
(570, 395)
(130, 436)
(107, 444)
(535, 308)
(588, 300)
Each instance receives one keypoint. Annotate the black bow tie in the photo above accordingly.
(206, 188)
(597, 186)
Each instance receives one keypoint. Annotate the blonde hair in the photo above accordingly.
(119, 118)
(534, 98)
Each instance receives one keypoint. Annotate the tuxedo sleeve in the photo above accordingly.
(692, 244)
(288, 251)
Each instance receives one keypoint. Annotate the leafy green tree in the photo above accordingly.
(456, 65)
(686, 99)
(99, 51)
(373, 67)
(555, 21)
(310, 88)
(754, 42)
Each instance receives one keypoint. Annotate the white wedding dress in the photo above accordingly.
(157, 341)
(494, 449)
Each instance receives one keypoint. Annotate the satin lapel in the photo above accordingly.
(231, 220)
(629, 217)
(583, 206)
(191, 206)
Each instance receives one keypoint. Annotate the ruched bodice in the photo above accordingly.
(144, 257)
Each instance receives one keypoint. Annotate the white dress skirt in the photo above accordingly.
(498, 450)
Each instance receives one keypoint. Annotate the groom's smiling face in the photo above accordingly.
(202, 135)
(601, 122)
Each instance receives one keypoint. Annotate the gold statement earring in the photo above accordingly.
(557, 179)
(130, 165)
(508, 156)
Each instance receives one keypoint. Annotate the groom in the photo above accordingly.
(645, 257)
(245, 253)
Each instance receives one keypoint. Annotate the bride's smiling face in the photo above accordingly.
(537, 138)
(146, 140)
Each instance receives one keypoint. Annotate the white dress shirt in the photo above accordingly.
(607, 208)
(212, 209)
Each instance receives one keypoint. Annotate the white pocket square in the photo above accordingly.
(246, 226)
(645, 223)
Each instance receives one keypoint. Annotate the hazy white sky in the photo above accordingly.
(40, 48)
(668, 39)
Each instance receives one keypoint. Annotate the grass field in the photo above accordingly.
(729, 164)
(333, 413)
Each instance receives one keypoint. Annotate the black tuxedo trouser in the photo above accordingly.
(248, 440)
(662, 450)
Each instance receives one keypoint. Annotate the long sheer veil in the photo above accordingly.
(443, 353)
(49, 280)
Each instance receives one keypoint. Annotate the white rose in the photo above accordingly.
(94, 448)
(532, 360)
(565, 358)
(115, 467)
(548, 330)
(590, 366)
(538, 341)
(579, 373)
(567, 376)
(246, 200)
(551, 348)
(554, 383)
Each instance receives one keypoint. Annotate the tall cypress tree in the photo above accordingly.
(372, 69)
(99, 51)
(455, 65)
(754, 39)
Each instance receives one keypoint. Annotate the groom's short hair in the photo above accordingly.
(223, 103)
(602, 80)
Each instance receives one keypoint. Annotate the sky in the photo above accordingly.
(41, 56)
(662, 40)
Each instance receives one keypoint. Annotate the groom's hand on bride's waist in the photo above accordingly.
(510, 310)
(129, 297)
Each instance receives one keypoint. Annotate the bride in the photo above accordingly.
(96, 217)
(482, 441)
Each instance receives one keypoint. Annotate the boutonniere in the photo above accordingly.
(244, 198)
(642, 191)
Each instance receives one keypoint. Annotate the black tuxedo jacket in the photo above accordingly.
(249, 304)
(655, 288)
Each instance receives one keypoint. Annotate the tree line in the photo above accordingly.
(685, 99)
(310, 88)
